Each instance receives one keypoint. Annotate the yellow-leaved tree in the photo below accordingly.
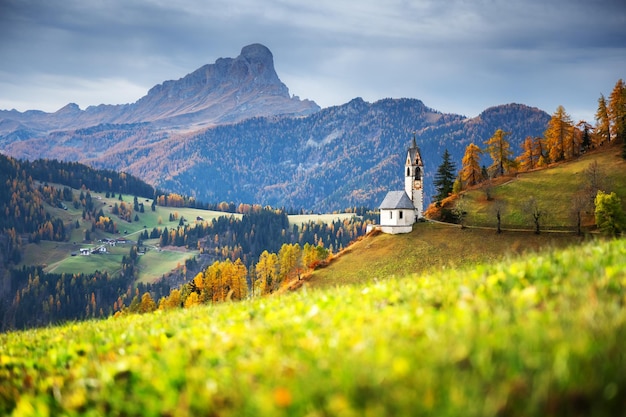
(602, 131)
(470, 171)
(559, 135)
(532, 154)
(290, 262)
(500, 151)
(617, 110)
(266, 273)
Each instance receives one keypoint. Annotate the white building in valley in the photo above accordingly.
(400, 209)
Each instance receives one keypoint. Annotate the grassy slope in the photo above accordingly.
(538, 336)
(429, 247)
(552, 187)
(56, 256)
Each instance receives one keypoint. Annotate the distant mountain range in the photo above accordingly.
(230, 131)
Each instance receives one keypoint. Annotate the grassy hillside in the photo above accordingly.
(537, 336)
(430, 247)
(57, 256)
(553, 188)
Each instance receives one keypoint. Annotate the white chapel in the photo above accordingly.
(400, 209)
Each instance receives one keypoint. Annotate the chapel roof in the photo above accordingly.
(397, 200)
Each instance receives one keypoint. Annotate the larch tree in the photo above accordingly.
(239, 284)
(290, 261)
(559, 135)
(602, 131)
(531, 154)
(471, 172)
(617, 112)
(500, 151)
(266, 272)
(147, 303)
(444, 178)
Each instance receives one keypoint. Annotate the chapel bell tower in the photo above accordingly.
(414, 178)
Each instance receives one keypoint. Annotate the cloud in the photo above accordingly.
(457, 56)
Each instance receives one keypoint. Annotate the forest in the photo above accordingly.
(31, 297)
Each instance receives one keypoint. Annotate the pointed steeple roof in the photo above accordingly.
(414, 152)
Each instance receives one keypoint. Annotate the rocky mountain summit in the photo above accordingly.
(230, 90)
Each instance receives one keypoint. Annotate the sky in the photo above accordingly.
(457, 56)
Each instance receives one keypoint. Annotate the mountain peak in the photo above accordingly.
(228, 90)
(256, 51)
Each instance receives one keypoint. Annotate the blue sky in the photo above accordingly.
(457, 56)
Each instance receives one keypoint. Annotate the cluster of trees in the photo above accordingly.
(233, 281)
(562, 140)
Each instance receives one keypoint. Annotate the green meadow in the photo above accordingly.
(553, 188)
(537, 335)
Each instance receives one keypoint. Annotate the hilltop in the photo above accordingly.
(436, 246)
(556, 188)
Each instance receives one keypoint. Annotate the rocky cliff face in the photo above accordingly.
(230, 90)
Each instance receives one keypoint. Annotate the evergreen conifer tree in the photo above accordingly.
(444, 178)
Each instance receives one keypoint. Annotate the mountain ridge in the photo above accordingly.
(229, 131)
(227, 91)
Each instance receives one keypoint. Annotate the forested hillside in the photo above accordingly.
(51, 207)
(342, 156)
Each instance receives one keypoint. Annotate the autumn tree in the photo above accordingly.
(238, 284)
(266, 272)
(559, 135)
(192, 300)
(470, 172)
(444, 178)
(173, 300)
(617, 111)
(578, 206)
(532, 154)
(314, 255)
(500, 151)
(290, 261)
(147, 303)
(602, 132)
(610, 217)
(594, 180)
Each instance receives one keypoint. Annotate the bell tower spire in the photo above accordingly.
(414, 177)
